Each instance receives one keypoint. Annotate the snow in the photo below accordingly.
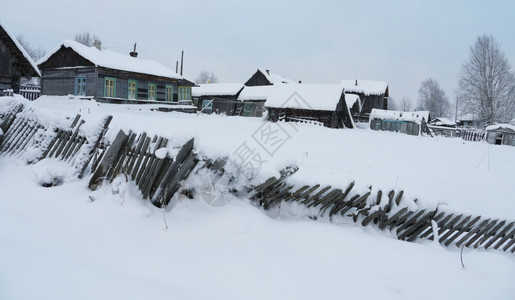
(252, 93)
(275, 78)
(114, 60)
(500, 126)
(416, 116)
(305, 96)
(66, 242)
(216, 89)
(367, 87)
(350, 99)
(25, 54)
(442, 122)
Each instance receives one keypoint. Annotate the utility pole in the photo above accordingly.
(182, 60)
(456, 115)
(177, 67)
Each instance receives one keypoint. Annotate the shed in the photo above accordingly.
(107, 76)
(253, 99)
(501, 134)
(15, 62)
(411, 123)
(372, 94)
(324, 104)
(217, 97)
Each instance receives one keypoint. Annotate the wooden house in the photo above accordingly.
(265, 77)
(218, 97)
(411, 123)
(501, 134)
(323, 104)
(91, 72)
(372, 94)
(15, 63)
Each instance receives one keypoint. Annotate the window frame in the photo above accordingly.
(181, 92)
(135, 89)
(76, 92)
(154, 93)
(106, 79)
(169, 87)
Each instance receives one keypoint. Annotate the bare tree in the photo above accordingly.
(206, 77)
(486, 85)
(433, 98)
(34, 52)
(406, 104)
(86, 38)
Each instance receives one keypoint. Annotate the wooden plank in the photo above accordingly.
(141, 156)
(411, 237)
(297, 193)
(504, 239)
(136, 151)
(316, 196)
(464, 225)
(441, 224)
(481, 231)
(95, 145)
(418, 226)
(71, 140)
(451, 227)
(499, 235)
(410, 221)
(111, 155)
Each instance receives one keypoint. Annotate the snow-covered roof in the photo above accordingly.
(350, 99)
(305, 96)
(216, 89)
(367, 87)
(114, 60)
(414, 116)
(253, 93)
(275, 78)
(443, 122)
(467, 117)
(500, 126)
(22, 50)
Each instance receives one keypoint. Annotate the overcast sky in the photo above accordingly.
(401, 42)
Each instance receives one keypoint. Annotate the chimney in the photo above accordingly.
(268, 72)
(97, 44)
(356, 82)
(134, 53)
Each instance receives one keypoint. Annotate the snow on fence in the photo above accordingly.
(27, 137)
(147, 162)
(160, 173)
(409, 225)
(473, 135)
(30, 91)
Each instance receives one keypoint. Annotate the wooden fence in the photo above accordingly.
(409, 225)
(30, 91)
(67, 144)
(158, 178)
(475, 136)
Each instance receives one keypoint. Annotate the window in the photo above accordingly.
(169, 93)
(109, 87)
(80, 86)
(247, 109)
(133, 90)
(207, 105)
(184, 93)
(152, 91)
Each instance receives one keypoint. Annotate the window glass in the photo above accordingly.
(133, 90)
(169, 93)
(152, 91)
(110, 87)
(80, 86)
(184, 93)
(207, 105)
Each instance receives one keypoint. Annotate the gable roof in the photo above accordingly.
(501, 126)
(367, 87)
(114, 60)
(275, 78)
(17, 50)
(216, 89)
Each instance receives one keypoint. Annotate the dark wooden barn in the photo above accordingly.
(321, 104)
(218, 98)
(91, 72)
(372, 94)
(15, 63)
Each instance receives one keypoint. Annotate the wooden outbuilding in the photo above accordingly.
(15, 63)
(322, 104)
(411, 123)
(218, 98)
(372, 94)
(93, 72)
(501, 134)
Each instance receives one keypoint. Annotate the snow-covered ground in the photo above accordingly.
(67, 242)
